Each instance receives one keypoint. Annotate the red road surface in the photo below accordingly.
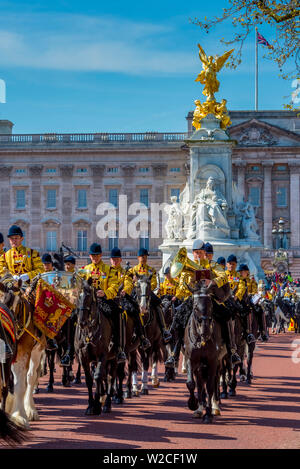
(263, 415)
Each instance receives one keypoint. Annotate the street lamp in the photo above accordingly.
(280, 239)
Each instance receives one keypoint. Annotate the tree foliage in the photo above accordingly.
(245, 15)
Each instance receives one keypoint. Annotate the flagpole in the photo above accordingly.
(256, 71)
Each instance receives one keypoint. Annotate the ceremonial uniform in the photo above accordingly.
(103, 276)
(145, 269)
(168, 287)
(21, 260)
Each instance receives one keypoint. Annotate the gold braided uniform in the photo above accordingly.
(253, 287)
(121, 276)
(168, 287)
(218, 275)
(237, 284)
(103, 278)
(145, 269)
(21, 260)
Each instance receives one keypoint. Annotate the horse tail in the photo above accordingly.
(10, 432)
(157, 356)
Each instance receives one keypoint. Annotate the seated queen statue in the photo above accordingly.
(209, 213)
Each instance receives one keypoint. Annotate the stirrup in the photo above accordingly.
(121, 357)
(167, 336)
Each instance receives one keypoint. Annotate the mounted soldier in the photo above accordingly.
(105, 281)
(124, 280)
(142, 268)
(47, 262)
(22, 262)
(70, 263)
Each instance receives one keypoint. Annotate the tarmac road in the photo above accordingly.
(265, 415)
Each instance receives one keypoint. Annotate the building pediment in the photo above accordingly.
(256, 133)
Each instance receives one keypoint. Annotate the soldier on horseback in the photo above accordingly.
(47, 262)
(105, 281)
(142, 268)
(125, 281)
(238, 289)
(22, 262)
(69, 263)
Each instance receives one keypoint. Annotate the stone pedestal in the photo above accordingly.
(211, 157)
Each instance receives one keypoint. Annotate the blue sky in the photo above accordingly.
(93, 66)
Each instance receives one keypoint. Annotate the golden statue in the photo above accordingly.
(208, 77)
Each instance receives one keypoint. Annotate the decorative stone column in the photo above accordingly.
(66, 172)
(294, 204)
(34, 239)
(97, 197)
(267, 201)
(241, 166)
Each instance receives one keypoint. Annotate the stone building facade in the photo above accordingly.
(54, 185)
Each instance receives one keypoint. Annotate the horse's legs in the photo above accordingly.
(249, 362)
(78, 374)
(120, 378)
(154, 375)
(201, 396)
(190, 384)
(210, 387)
(51, 364)
(216, 395)
(19, 370)
(233, 381)
(5, 374)
(34, 363)
(144, 387)
(89, 383)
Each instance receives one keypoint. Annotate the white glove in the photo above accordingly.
(16, 277)
(24, 277)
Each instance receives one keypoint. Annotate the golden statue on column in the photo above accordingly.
(208, 77)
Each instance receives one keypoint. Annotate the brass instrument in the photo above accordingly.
(181, 262)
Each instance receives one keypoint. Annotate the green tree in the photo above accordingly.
(245, 15)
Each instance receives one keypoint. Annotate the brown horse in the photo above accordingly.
(30, 345)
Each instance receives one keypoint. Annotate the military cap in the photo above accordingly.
(115, 252)
(15, 230)
(95, 248)
(221, 260)
(47, 259)
(143, 252)
(1, 238)
(208, 248)
(243, 267)
(198, 244)
(232, 258)
(70, 259)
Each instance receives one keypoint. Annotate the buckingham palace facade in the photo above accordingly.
(52, 184)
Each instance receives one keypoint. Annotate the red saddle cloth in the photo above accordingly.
(52, 309)
(7, 322)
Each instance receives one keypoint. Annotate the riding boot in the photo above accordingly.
(121, 356)
(167, 336)
(140, 331)
(235, 358)
(262, 325)
(51, 344)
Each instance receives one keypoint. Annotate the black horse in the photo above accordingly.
(168, 308)
(296, 318)
(204, 351)
(93, 345)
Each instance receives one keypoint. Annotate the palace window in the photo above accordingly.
(113, 197)
(254, 196)
(81, 170)
(281, 197)
(50, 170)
(175, 170)
(143, 170)
(20, 199)
(51, 198)
(82, 198)
(20, 171)
(113, 240)
(175, 193)
(51, 241)
(144, 197)
(112, 170)
(82, 240)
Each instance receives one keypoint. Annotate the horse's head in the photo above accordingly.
(143, 292)
(8, 290)
(202, 311)
(87, 303)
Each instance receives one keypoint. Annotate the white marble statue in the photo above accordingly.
(208, 211)
(249, 223)
(174, 223)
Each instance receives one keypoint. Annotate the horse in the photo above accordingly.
(283, 313)
(93, 338)
(11, 433)
(8, 350)
(30, 345)
(153, 354)
(296, 317)
(204, 351)
(168, 310)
